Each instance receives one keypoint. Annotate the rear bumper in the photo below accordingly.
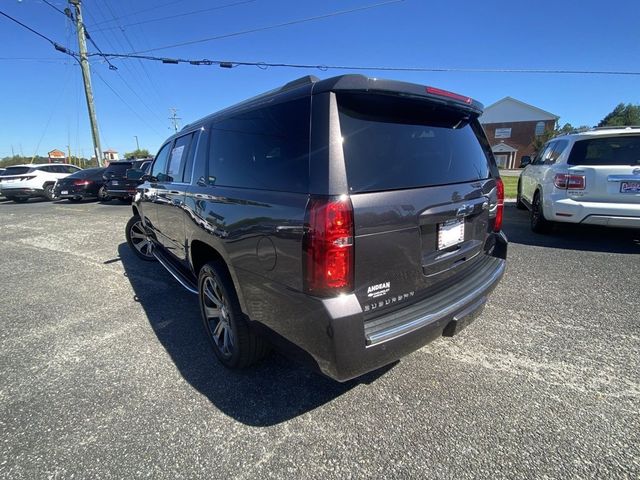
(334, 333)
(595, 213)
(121, 193)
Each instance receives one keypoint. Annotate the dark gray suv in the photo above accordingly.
(346, 221)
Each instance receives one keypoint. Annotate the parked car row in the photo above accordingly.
(52, 181)
(591, 177)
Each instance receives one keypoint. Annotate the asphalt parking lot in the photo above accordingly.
(105, 372)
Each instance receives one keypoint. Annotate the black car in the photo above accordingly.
(347, 221)
(81, 185)
(116, 181)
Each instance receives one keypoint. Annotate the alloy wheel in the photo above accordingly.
(217, 319)
(140, 239)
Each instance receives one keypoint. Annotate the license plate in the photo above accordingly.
(630, 187)
(64, 192)
(114, 182)
(450, 233)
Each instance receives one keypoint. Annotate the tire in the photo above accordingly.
(103, 196)
(233, 343)
(138, 240)
(539, 224)
(519, 204)
(20, 199)
(48, 192)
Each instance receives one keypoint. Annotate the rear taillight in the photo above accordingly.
(328, 246)
(81, 182)
(566, 181)
(497, 225)
(445, 93)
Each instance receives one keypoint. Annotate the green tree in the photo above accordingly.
(548, 134)
(622, 115)
(138, 153)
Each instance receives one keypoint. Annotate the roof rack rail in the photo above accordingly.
(613, 127)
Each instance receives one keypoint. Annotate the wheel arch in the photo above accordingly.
(201, 252)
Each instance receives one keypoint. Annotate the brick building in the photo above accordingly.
(56, 156)
(511, 126)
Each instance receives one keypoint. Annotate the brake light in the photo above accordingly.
(566, 181)
(81, 182)
(497, 225)
(448, 94)
(328, 246)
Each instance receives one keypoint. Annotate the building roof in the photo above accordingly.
(110, 151)
(510, 109)
(56, 152)
(503, 148)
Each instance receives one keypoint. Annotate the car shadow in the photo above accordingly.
(571, 237)
(269, 393)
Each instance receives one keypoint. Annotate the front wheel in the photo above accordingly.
(519, 204)
(539, 224)
(138, 240)
(235, 345)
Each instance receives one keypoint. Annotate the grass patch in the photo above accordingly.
(510, 186)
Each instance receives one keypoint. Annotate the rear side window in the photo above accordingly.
(558, 149)
(621, 150)
(16, 171)
(393, 143)
(179, 154)
(266, 149)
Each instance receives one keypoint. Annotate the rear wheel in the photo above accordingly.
(138, 240)
(519, 204)
(48, 192)
(539, 224)
(235, 345)
(103, 196)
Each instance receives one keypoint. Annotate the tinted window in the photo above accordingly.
(394, 143)
(118, 169)
(160, 164)
(265, 149)
(15, 171)
(559, 147)
(178, 157)
(188, 164)
(621, 150)
(544, 154)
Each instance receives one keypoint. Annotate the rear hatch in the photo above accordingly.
(610, 166)
(423, 194)
(116, 176)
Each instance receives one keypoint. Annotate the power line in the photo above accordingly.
(56, 45)
(169, 17)
(271, 27)
(321, 67)
(55, 8)
(155, 7)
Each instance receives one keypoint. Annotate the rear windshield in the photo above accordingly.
(394, 143)
(118, 168)
(16, 171)
(620, 150)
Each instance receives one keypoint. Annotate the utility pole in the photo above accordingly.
(137, 144)
(174, 118)
(86, 76)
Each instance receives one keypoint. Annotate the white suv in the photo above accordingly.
(22, 182)
(591, 177)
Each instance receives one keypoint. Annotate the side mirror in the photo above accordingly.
(525, 160)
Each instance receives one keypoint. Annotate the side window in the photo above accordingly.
(179, 154)
(188, 163)
(543, 154)
(265, 149)
(560, 147)
(160, 164)
(46, 169)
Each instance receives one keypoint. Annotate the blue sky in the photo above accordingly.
(44, 106)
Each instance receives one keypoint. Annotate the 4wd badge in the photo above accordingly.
(378, 290)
